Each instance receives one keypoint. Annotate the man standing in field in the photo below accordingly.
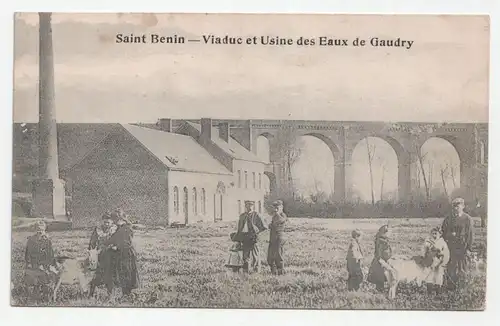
(249, 226)
(458, 234)
(276, 239)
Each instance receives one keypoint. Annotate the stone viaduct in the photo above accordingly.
(470, 140)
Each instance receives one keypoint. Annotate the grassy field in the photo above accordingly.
(185, 268)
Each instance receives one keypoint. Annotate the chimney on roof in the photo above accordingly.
(206, 128)
(224, 131)
(165, 125)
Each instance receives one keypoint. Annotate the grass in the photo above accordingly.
(185, 268)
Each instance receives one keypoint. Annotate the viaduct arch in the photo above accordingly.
(469, 140)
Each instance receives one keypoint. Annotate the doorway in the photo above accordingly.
(219, 202)
(218, 207)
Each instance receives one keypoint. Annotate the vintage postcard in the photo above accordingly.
(250, 161)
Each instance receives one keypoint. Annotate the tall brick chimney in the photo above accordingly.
(206, 128)
(224, 131)
(165, 125)
(48, 188)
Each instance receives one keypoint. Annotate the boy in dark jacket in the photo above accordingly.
(276, 239)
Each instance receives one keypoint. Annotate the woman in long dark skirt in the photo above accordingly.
(125, 259)
(105, 270)
(382, 254)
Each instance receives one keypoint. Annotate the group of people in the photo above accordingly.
(117, 262)
(245, 252)
(445, 252)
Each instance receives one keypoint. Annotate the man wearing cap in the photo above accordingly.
(38, 256)
(249, 226)
(458, 233)
(276, 239)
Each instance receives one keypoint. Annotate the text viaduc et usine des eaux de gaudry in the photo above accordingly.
(266, 40)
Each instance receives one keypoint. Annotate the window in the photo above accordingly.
(246, 179)
(185, 206)
(176, 200)
(195, 202)
(239, 206)
(260, 207)
(203, 202)
(253, 180)
(482, 152)
(239, 178)
(260, 180)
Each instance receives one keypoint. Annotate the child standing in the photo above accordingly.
(235, 260)
(436, 252)
(39, 258)
(354, 257)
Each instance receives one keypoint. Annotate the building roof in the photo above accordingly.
(233, 148)
(176, 151)
(75, 141)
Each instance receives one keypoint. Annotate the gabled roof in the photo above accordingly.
(178, 152)
(75, 141)
(233, 148)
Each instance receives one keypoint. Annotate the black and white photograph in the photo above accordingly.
(265, 161)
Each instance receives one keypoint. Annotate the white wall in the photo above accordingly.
(199, 181)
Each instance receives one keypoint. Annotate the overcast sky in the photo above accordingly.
(443, 77)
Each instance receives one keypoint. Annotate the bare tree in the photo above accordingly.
(290, 151)
(415, 130)
(426, 184)
(452, 174)
(382, 183)
(370, 150)
(417, 168)
(444, 171)
(431, 168)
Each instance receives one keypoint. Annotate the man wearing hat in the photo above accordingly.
(458, 233)
(249, 226)
(276, 239)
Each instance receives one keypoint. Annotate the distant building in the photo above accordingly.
(158, 175)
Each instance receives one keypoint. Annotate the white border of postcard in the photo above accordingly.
(97, 316)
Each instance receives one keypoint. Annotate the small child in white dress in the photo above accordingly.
(436, 252)
(235, 260)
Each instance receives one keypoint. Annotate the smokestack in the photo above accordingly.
(48, 189)
(47, 127)
(224, 131)
(206, 128)
(165, 125)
